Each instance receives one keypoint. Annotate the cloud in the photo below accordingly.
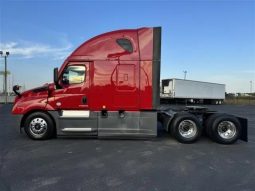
(25, 49)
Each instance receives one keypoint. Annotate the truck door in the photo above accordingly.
(75, 86)
(72, 101)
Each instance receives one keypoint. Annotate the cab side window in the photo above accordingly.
(74, 75)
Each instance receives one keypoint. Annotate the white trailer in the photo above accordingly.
(192, 91)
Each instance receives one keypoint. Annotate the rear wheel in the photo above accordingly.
(39, 126)
(223, 128)
(186, 128)
(208, 124)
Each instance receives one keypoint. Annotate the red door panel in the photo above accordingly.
(73, 95)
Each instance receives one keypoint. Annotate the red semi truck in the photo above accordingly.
(109, 88)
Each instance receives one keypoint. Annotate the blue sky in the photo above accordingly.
(213, 40)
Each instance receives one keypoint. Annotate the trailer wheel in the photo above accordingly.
(223, 128)
(186, 128)
(39, 126)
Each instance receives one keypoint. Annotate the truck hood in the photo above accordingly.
(35, 91)
(34, 99)
(41, 91)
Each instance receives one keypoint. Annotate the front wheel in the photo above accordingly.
(39, 126)
(186, 128)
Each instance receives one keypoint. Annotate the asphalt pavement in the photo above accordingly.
(69, 164)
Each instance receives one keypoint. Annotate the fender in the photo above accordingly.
(26, 105)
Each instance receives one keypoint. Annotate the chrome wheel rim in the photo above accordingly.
(38, 127)
(226, 129)
(187, 128)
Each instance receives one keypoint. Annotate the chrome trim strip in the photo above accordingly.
(77, 129)
(75, 113)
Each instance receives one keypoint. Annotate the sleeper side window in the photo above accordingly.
(125, 44)
(74, 75)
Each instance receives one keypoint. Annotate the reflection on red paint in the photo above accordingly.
(115, 78)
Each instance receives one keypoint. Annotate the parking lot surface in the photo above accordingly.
(91, 164)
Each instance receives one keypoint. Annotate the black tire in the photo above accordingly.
(209, 122)
(181, 124)
(39, 126)
(218, 124)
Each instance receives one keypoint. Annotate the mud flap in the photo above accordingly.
(244, 126)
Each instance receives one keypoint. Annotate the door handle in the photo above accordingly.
(84, 100)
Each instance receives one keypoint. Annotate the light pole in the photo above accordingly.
(251, 86)
(5, 55)
(185, 74)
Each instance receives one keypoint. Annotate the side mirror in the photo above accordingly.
(56, 78)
